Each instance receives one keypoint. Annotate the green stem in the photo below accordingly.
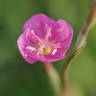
(54, 78)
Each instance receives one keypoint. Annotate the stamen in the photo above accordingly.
(54, 51)
(35, 36)
(40, 50)
(48, 33)
(55, 45)
(30, 48)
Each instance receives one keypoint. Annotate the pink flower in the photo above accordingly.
(44, 39)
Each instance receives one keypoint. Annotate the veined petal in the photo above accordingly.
(38, 24)
(65, 31)
(64, 37)
(21, 46)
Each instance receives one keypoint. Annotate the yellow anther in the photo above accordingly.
(47, 50)
(37, 46)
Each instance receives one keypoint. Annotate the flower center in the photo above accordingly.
(43, 47)
(47, 50)
(42, 50)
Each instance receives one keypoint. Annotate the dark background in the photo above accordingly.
(17, 78)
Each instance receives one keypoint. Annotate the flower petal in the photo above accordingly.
(64, 37)
(21, 46)
(65, 31)
(38, 23)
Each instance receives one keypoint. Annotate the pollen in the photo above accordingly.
(47, 50)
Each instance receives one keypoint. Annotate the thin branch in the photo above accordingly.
(80, 43)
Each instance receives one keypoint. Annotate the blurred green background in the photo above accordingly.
(17, 78)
